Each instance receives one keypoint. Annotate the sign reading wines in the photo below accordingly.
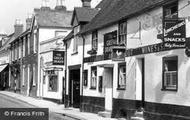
(58, 58)
(174, 33)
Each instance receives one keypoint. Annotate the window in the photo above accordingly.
(171, 10)
(53, 80)
(75, 44)
(35, 41)
(34, 75)
(23, 75)
(123, 33)
(93, 77)
(28, 37)
(170, 73)
(122, 76)
(20, 45)
(94, 40)
(85, 75)
(24, 43)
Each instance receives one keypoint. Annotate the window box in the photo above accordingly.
(92, 52)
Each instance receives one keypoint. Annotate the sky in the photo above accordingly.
(10, 10)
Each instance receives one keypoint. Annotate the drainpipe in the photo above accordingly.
(83, 39)
(65, 81)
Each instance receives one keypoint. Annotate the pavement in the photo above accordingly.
(54, 107)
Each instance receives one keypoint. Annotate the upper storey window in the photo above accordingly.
(170, 11)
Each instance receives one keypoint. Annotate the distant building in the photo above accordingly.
(45, 24)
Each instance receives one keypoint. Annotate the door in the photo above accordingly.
(108, 87)
(74, 92)
(140, 92)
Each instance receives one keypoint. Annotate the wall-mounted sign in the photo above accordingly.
(118, 53)
(58, 58)
(174, 33)
(110, 39)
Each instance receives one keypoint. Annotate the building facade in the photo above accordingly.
(27, 69)
(74, 54)
(136, 58)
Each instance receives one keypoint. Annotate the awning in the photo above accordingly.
(2, 67)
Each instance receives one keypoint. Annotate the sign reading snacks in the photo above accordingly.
(118, 53)
(58, 58)
(174, 33)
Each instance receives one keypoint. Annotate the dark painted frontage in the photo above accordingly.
(152, 111)
(92, 104)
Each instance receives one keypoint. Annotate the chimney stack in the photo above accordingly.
(18, 27)
(60, 5)
(86, 3)
(28, 21)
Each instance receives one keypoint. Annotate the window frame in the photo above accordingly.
(85, 78)
(55, 74)
(169, 6)
(118, 83)
(94, 40)
(122, 33)
(164, 87)
(93, 68)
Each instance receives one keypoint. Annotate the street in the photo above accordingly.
(9, 102)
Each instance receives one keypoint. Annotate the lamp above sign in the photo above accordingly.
(174, 33)
(118, 53)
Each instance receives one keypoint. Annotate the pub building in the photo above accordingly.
(135, 60)
(52, 69)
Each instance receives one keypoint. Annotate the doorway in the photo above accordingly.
(108, 87)
(140, 82)
(74, 88)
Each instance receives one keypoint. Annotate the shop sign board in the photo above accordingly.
(58, 58)
(174, 33)
(118, 53)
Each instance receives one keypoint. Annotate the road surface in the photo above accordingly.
(9, 102)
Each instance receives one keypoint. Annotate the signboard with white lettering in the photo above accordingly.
(58, 58)
(118, 53)
(174, 33)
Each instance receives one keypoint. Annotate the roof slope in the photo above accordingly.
(53, 18)
(84, 14)
(114, 10)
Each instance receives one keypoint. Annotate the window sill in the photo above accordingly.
(75, 53)
(169, 89)
(121, 88)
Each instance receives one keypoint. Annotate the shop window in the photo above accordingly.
(95, 40)
(123, 33)
(122, 76)
(93, 77)
(85, 74)
(170, 73)
(53, 81)
(171, 11)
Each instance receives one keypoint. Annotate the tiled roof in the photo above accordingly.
(113, 11)
(84, 14)
(53, 18)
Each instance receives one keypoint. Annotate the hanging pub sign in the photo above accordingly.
(110, 39)
(187, 49)
(58, 58)
(118, 53)
(174, 33)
